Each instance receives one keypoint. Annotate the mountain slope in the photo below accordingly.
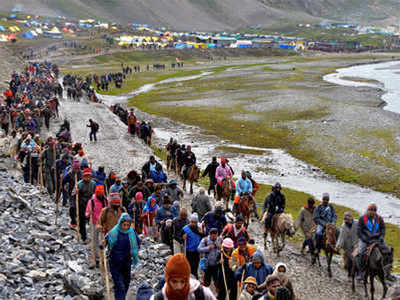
(213, 14)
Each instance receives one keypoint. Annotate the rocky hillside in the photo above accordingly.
(213, 14)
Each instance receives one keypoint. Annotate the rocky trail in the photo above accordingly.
(117, 150)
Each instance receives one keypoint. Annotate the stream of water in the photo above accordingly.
(273, 165)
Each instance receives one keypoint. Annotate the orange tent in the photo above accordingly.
(12, 38)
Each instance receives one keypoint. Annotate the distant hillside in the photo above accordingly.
(214, 14)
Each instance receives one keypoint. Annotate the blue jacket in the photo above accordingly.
(99, 177)
(115, 188)
(162, 214)
(244, 186)
(249, 269)
(324, 215)
(212, 221)
(193, 239)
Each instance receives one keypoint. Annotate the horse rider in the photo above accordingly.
(243, 187)
(210, 171)
(371, 229)
(323, 214)
(189, 159)
(222, 172)
(274, 204)
(348, 240)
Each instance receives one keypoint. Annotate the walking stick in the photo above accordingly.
(100, 238)
(55, 180)
(240, 284)
(92, 235)
(148, 222)
(226, 286)
(106, 275)
(41, 173)
(184, 247)
(30, 167)
(77, 209)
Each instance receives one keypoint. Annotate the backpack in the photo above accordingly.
(198, 294)
(96, 126)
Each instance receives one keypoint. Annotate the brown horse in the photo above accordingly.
(193, 176)
(246, 207)
(227, 191)
(281, 225)
(329, 247)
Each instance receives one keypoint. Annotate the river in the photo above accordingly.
(273, 165)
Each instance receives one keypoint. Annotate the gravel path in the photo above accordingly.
(117, 150)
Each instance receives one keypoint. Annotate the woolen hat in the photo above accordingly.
(194, 218)
(239, 218)
(251, 280)
(325, 196)
(227, 243)
(115, 199)
(177, 267)
(242, 241)
(139, 195)
(76, 164)
(87, 172)
(99, 190)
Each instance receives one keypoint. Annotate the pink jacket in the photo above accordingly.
(98, 206)
(221, 172)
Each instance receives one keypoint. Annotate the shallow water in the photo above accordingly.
(387, 73)
(274, 165)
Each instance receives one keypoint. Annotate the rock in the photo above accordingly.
(74, 266)
(37, 275)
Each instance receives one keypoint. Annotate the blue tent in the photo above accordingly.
(13, 16)
(2, 29)
(180, 46)
(27, 24)
(28, 35)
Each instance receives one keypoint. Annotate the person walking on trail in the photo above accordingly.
(209, 250)
(174, 191)
(109, 216)
(250, 285)
(123, 254)
(324, 214)
(177, 226)
(93, 211)
(165, 213)
(48, 162)
(214, 219)
(255, 268)
(372, 229)
(135, 210)
(305, 221)
(201, 204)
(149, 215)
(223, 171)
(242, 254)
(348, 240)
(117, 186)
(149, 167)
(94, 128)
(226, 277)
(272, 283)
(192, 236)
(210, 171)
(132, 119)
(86, 189)
(235, 231)
(281, 271)
(179, 285)
(274, 203)
(68, 189)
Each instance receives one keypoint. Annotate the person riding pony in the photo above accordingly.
(274, 204)
(223, 171)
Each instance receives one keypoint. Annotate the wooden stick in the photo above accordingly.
(55, 180)
(240, 285)
(106, 275)
(226, 286)
(77, 208)
(100, 237)
(41, 172)
(30, 167)
(92, 235)
(184, 247)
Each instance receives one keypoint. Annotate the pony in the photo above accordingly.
(193, 175)
(246, 207)
(329, 247)
(282, 226)
(375, 264)
(226, 191)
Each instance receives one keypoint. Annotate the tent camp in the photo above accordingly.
(55, 33)
(28, 35)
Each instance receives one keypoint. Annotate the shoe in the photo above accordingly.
(72, 226)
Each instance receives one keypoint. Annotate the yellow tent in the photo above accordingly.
(55, 30)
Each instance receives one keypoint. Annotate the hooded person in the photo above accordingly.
(256, 268)
(135, 210)
(174, 191)
(209, 250)
(109, 216)
(179, 285)
(117, 186)
(150, 211)
(242, 254)
(281, 272)
(225, 273)
(177, 225)
(93, 211)
(123, 248)
(192, 236)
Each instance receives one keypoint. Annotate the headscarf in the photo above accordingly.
(112, 237)
(283, 277)
(148, 208)
(177, 267)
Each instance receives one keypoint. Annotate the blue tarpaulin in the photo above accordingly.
(28, 35)
(2, 29)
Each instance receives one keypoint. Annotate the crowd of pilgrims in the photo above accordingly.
(207, 249)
